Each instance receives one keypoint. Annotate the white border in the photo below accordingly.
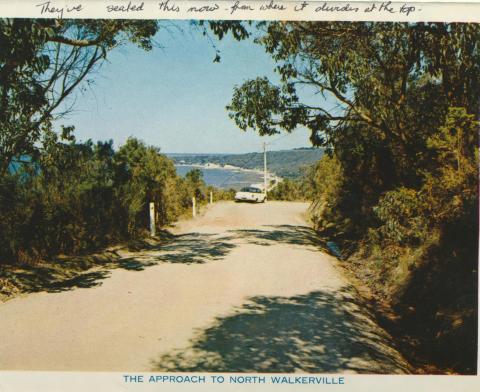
(425, 10)
(432, 10)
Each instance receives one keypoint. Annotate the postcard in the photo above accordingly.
(239, 195)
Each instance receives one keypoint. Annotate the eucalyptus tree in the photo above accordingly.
(42, 62)
(397, 105)
(385, 86)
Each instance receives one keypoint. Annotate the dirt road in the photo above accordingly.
(243, 288)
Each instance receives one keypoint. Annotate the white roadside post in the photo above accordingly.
(211, 197)
(194, 209)
(152, 219)
(265, 168)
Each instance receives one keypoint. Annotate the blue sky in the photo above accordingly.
(174, 97)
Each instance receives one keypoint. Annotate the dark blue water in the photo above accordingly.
(224, 178)
(218, 177)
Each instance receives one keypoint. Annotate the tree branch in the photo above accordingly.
(75, 42)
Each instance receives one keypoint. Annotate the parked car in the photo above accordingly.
(251, 193)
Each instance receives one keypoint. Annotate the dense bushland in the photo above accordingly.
(57, 195)
(398, 190)
(302, 188)
(77, 197)
(416, 247)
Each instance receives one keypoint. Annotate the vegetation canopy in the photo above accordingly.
(396, 107)
(42, 62)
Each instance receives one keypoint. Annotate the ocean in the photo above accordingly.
(224, 177)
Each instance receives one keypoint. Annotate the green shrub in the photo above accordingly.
(403, 214)
(77, 197)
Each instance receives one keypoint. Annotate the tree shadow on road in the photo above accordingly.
(61, 274)
(51, 280)
(69, 273)
(190, 248)
(320, 332)
(283, 234)
(195, 248)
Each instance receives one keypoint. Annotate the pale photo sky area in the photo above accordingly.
(174, 97)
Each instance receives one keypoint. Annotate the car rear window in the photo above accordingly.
(251, 190)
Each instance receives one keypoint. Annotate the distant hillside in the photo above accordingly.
(285, 163)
